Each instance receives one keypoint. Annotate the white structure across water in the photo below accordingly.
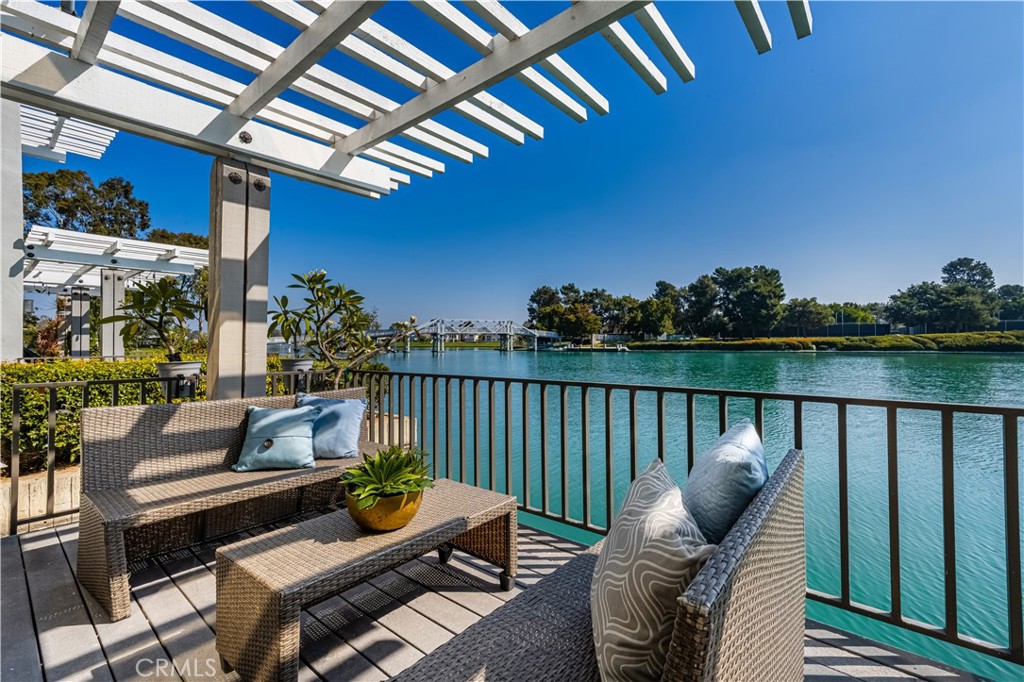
(78, 67)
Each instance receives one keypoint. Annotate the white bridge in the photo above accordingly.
(505, 332)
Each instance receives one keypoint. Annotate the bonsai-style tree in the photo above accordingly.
(162, 307)
(332, 324)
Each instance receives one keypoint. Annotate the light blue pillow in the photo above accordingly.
(337, 429)
(725, 480)
(278, 439)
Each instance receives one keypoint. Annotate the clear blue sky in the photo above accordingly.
(857, 161)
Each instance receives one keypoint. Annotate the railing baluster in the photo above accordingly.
(372, 423)
(895, 591)
(491, 459)
(400, 417)
(691, 407)
(380, 409)
(634, 436)
(949, 524)
(798, 424)
(1011, 500)
(525, 460)
(476, 432)
(12, 517)
(844, 516)
(545, 498)
(723, 413)
(423, 416)
(448, 428)
(563, 425)
(661, 425)
(414, 440)
(759, 417)
(433, 430)
(508, 437)
(462, 432)
(116, 394)
(391, 410)
(51, 447)
(609, 463)
(585, 451)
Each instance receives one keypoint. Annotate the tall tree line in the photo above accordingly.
(750, 301)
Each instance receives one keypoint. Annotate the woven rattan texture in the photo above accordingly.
(156, 477)
(264, 582)
(741, 619)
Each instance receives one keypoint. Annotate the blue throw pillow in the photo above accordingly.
(725, 480)
(337, 429)
(278, 439)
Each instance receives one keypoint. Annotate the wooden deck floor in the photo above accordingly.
(53, 630)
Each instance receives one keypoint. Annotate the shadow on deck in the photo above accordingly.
(53, 630)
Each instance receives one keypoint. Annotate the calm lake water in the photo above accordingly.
(977, 379)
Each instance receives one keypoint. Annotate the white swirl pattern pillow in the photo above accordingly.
(652, 553)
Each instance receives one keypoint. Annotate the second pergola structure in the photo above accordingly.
(80, 67)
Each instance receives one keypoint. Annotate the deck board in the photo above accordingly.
(367, 633)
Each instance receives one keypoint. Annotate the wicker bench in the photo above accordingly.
(742, 618)
(158, 477)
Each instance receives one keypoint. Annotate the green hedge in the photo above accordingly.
(1003, 342)
(34, 404)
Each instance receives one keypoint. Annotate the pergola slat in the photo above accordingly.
(506, 23)
(460, 25)
(753, 19)
(628, 49)
(564, 29)
(800, 13)
(666, 42)
(322, 36)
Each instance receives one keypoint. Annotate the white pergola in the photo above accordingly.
(88, 265)
(79, 67)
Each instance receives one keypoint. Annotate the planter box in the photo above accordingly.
(67, 488)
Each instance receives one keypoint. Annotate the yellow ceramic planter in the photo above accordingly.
(390, 513)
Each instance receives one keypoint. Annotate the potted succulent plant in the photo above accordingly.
(162, 307)
(384, 491)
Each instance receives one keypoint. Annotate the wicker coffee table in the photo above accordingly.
(263, 583)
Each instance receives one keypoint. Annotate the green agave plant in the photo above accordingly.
(394, 471)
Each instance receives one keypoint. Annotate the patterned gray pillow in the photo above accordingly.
(652, 553)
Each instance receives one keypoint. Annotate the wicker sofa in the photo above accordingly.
(742, 618)
(158, 477)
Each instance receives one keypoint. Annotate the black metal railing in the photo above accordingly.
(535, 438)
(495, 439)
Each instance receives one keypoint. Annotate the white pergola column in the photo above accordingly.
(80, 304)
(12, 255)
(239, 261)
(111, 298)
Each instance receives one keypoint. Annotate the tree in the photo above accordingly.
(654, 317)
(619, 317)
(673, 295)
(700, 307)
(189, 239)
(805, 314)
(968, 271)
(601, 304)
(197, 287)
(69, 200)
(570, 294)
(915, 305)
(1011, 297)
(542, 297)
(851, 313)
(750, 298)
(963, 305)
(579, 321)
(161, 307)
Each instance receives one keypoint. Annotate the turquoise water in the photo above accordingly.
(975, 379)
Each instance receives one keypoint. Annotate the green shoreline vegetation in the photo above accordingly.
(965, 342)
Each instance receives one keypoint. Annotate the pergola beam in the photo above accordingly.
(93, 29)
(35, 75)
(35, 252)
(753, 19)
(322, 36)
(800, 13)
(571, 25)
